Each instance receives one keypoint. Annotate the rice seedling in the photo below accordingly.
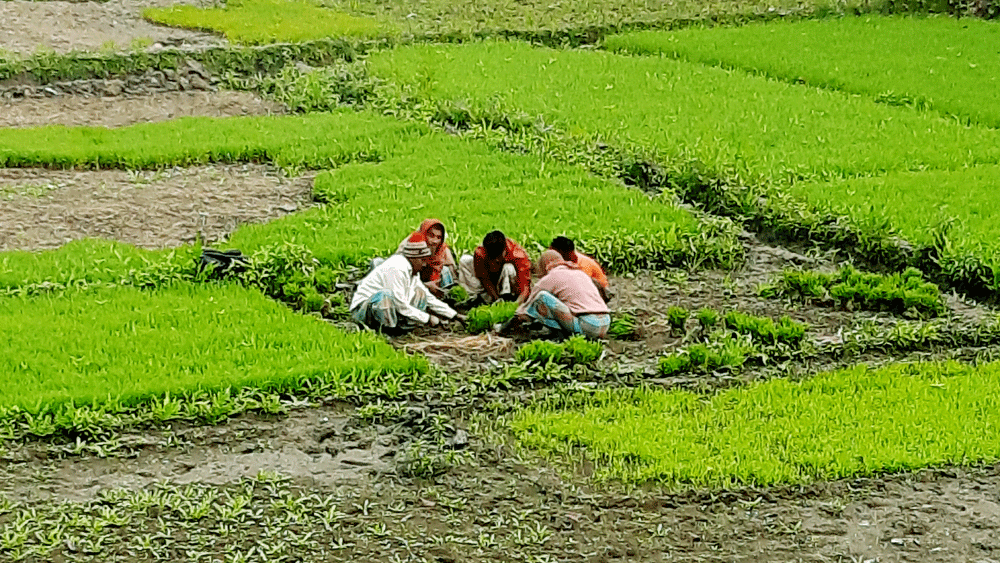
(906, 292)
(848, 423)
(734, 125)
(624, 326)
(462, 181)
(939, 62)
(125, 346)
(484, 317)
(269, 21)
(575, 350)
(286, 141)
(677, 318)
(950, 210)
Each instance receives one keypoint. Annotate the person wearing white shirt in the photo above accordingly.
(392, 299)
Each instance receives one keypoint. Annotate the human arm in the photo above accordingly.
(605, 294)
(401, 289)
(522, 265)
(482, 274)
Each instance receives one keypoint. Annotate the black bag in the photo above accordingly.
(223, 262)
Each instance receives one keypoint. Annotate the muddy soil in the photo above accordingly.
(92, 26)
(151, 209)
(88, 111)
(496, 506)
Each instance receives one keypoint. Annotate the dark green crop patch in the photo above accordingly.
(904, 293)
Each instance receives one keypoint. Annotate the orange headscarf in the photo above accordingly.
(441, 257)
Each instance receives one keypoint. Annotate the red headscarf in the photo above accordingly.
(437, 260)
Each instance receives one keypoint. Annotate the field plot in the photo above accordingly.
(468, 186)
(285, 141)
(959, 205)
(740, 127)
(860, 421)
(115, 112)
(943, 63)
(124, 345)
(269, 21)
(44, 209)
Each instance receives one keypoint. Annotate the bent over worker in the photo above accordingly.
(498, 269)
(564, 300)
(567, 249)
(392, 299)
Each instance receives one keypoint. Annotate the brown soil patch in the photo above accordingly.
(75, 111)
(159, 209)
(91, 26)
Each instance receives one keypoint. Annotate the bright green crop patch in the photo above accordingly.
(269, 21)
(734, 123)
(919, 204)
(128, 345)
(78, 262)
(941, 62)
(474, 190)
(859, 421)
(318, 140)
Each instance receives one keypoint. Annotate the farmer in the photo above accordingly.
(440, 271)
(499, 269)
(565, 247)
(392, 299)
(565, 300)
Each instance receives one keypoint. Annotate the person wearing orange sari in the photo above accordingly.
(440, 270)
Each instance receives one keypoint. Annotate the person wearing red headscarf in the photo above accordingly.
(439, 271)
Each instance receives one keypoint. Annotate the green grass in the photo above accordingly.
(258, 22)
(742, 127)
(946, 63)
(321, 140)
(918, 204)
(126, 345)
(858, 421)
(474, 190)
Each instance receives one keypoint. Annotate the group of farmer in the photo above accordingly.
(410, 288)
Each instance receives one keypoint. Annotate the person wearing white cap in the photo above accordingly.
(392, 299)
